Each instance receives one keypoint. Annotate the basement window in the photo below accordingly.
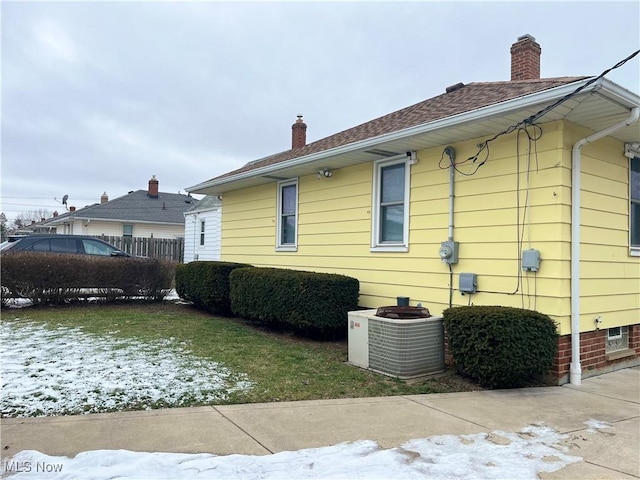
(390, 228)
(617, 339)
(287, 220)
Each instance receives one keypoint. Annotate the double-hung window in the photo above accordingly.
(127, 230)
(287, 220)
(390, 229)
(634, 205)
(202, 230)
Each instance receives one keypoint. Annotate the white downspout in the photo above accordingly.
(575, 370)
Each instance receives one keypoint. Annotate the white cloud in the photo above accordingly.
(55, 41)
(220, 83)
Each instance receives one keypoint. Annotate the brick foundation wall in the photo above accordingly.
(594, 358)
(593, 354)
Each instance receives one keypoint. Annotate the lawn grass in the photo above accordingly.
(283, 367)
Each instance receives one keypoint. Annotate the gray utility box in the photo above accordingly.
(531, 260)
(468, 283)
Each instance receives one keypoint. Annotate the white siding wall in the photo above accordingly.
(144, 230)
(193, 251)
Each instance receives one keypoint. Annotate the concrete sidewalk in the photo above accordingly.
(260, 429)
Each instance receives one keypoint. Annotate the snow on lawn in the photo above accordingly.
(66, 371)
(498, 455)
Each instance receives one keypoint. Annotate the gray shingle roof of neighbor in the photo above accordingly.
(136, 206)
(460, 99)
(206, 203)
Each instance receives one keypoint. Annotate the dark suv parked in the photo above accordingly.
(79, 244)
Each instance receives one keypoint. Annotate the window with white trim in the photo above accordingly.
(390, 229)
(634, 203)
(202, 225)
(617, 339)
(287, 220)
(127, 230)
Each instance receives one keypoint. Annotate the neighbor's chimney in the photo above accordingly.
(72, 209)
(55, 213)
(525, 59)
(104, 198)
(298, 133)
(153, 187)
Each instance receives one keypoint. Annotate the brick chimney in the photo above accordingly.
(525, 59)
(104, 198)
(72, 209)
(153, 187)
(298, 133)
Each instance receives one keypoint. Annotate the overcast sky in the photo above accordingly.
(100, 96)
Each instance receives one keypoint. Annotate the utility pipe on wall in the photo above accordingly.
(451, 153)
(575, 369)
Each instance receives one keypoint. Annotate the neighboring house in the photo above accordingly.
(470, 197)
(141, 213)
(202, 230)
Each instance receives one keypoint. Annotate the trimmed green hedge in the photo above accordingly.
(312, 304)
(500, 347)
(206, 284)
(53, 278)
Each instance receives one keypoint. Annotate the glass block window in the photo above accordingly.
(617, 339)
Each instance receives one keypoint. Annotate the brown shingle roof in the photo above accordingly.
(465, 99)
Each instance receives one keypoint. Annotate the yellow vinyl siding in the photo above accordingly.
(335, 222)
(610, 285)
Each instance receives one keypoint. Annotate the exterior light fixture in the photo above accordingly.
(325, 173)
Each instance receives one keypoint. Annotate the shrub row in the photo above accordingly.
(206, 284)
(312, 304)
(58, 278)
(500, 347)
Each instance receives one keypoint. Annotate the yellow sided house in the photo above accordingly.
(522, 193)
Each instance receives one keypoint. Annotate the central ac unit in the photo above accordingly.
(401, 348)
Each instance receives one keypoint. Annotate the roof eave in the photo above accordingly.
(604, 86)
(96, 219)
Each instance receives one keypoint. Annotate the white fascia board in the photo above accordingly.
(617, 93)
(201, 210)
(507, 106)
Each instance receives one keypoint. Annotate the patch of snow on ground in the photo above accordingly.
(66, 371)
(595, 425)
(521, 455)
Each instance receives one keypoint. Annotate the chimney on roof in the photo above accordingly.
(104, 198)
(525, 59)
(153, 187)
(55, 213)
(298, 133)
(72, 209)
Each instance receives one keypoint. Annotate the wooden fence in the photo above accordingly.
(166, 248)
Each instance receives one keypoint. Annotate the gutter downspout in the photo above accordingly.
(575, 369)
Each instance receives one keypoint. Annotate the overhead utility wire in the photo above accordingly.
(484, 146)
